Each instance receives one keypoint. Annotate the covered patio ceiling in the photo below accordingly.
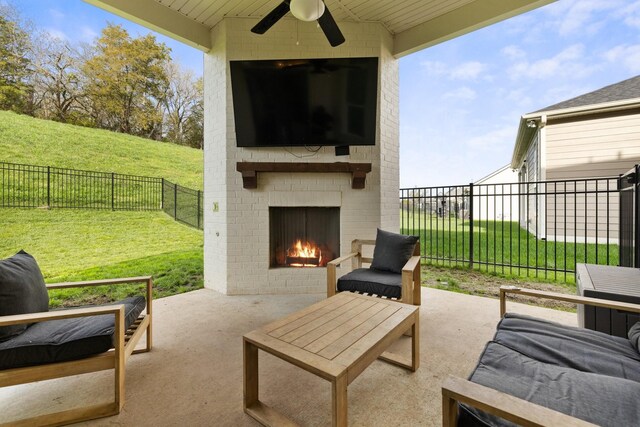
(415, 24)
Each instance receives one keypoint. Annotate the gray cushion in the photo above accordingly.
(392, 251)
(371, 281)
(22, 290)
(67, 339)
(577, 348)
(634, 335)
(599, 399)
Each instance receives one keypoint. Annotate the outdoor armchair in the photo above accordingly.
(540, 373)
(394, 271)
(44, 345)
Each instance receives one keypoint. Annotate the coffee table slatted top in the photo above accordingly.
(334, 335)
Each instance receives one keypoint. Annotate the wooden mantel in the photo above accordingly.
(250, 170)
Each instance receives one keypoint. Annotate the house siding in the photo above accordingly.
(497, 198)
(597, 147)
(604, 146)
(528, 203)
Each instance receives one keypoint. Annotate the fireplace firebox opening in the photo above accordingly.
(303, 236)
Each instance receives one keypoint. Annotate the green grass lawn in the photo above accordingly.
(503, 248)
(86, 245)
(24, 139)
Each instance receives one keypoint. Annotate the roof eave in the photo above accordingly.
(525, 133)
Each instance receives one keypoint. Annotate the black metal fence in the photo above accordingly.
(539, 229)
(629, 184)
(183, 204)
(32, 186)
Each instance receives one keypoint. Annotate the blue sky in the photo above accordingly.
(460, 101)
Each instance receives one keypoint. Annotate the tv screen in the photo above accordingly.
(305, 102)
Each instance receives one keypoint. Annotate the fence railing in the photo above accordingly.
(183, 204)
(539, 229)
(32, 186)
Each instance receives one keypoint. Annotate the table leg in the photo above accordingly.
(339, 401)
(250, 354)
(415, 344)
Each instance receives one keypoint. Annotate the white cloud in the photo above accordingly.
(574, 17)
(494, 140)
(468, 70)
(568, 62)
(87, 33)
(631, 14)
(434, 67)
(56, 34)
(627, 55)
(463, 93)
(513, 52)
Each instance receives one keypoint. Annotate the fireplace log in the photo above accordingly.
(303, 260)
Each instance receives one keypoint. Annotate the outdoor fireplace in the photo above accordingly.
(303, 236)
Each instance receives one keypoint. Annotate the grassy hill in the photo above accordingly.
(72, 244)
(24, 139)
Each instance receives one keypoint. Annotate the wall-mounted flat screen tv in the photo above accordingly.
(305, 102)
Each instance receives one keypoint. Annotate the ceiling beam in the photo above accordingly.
(153, 15)
(463, 20)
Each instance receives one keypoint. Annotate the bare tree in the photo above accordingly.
(181, 101)
(57, 82)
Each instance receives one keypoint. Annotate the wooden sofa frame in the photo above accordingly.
(503, 405)
(125, 342)
(410, 271)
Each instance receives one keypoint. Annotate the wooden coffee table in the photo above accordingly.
(335, 339)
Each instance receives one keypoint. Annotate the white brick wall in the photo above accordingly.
(237, 236)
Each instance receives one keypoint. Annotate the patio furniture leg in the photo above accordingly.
(250, 375)
(339, 401)
(415, 343)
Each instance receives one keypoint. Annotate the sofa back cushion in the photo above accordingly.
(392, 251)
(22, 290)
(634, 336)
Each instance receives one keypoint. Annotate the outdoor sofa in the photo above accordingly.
(540, 373)
(37, 344)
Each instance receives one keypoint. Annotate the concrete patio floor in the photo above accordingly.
(193, 376)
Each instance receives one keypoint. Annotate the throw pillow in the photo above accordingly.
(22, 290)
(634, 335)
(392, 251)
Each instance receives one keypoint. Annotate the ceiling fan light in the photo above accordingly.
(307, 10)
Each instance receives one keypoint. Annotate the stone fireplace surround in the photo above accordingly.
(236, 250)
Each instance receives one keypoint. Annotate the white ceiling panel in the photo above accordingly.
(416, 23)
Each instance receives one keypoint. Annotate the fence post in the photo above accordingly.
(636, 218)
(49, 187)
(162, 194)
(198, 211)
(471, 225)
(175, 202)
(113, 187)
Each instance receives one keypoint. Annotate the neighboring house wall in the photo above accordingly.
(531, 169)
(496, 196)
(597, 146)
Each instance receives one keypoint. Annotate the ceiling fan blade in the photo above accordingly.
(330, 28)
(274, 16)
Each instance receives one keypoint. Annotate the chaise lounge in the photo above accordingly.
(536, 373)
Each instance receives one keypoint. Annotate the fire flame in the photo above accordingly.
(305, 250)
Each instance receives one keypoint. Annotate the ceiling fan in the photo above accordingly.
(304, 10)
